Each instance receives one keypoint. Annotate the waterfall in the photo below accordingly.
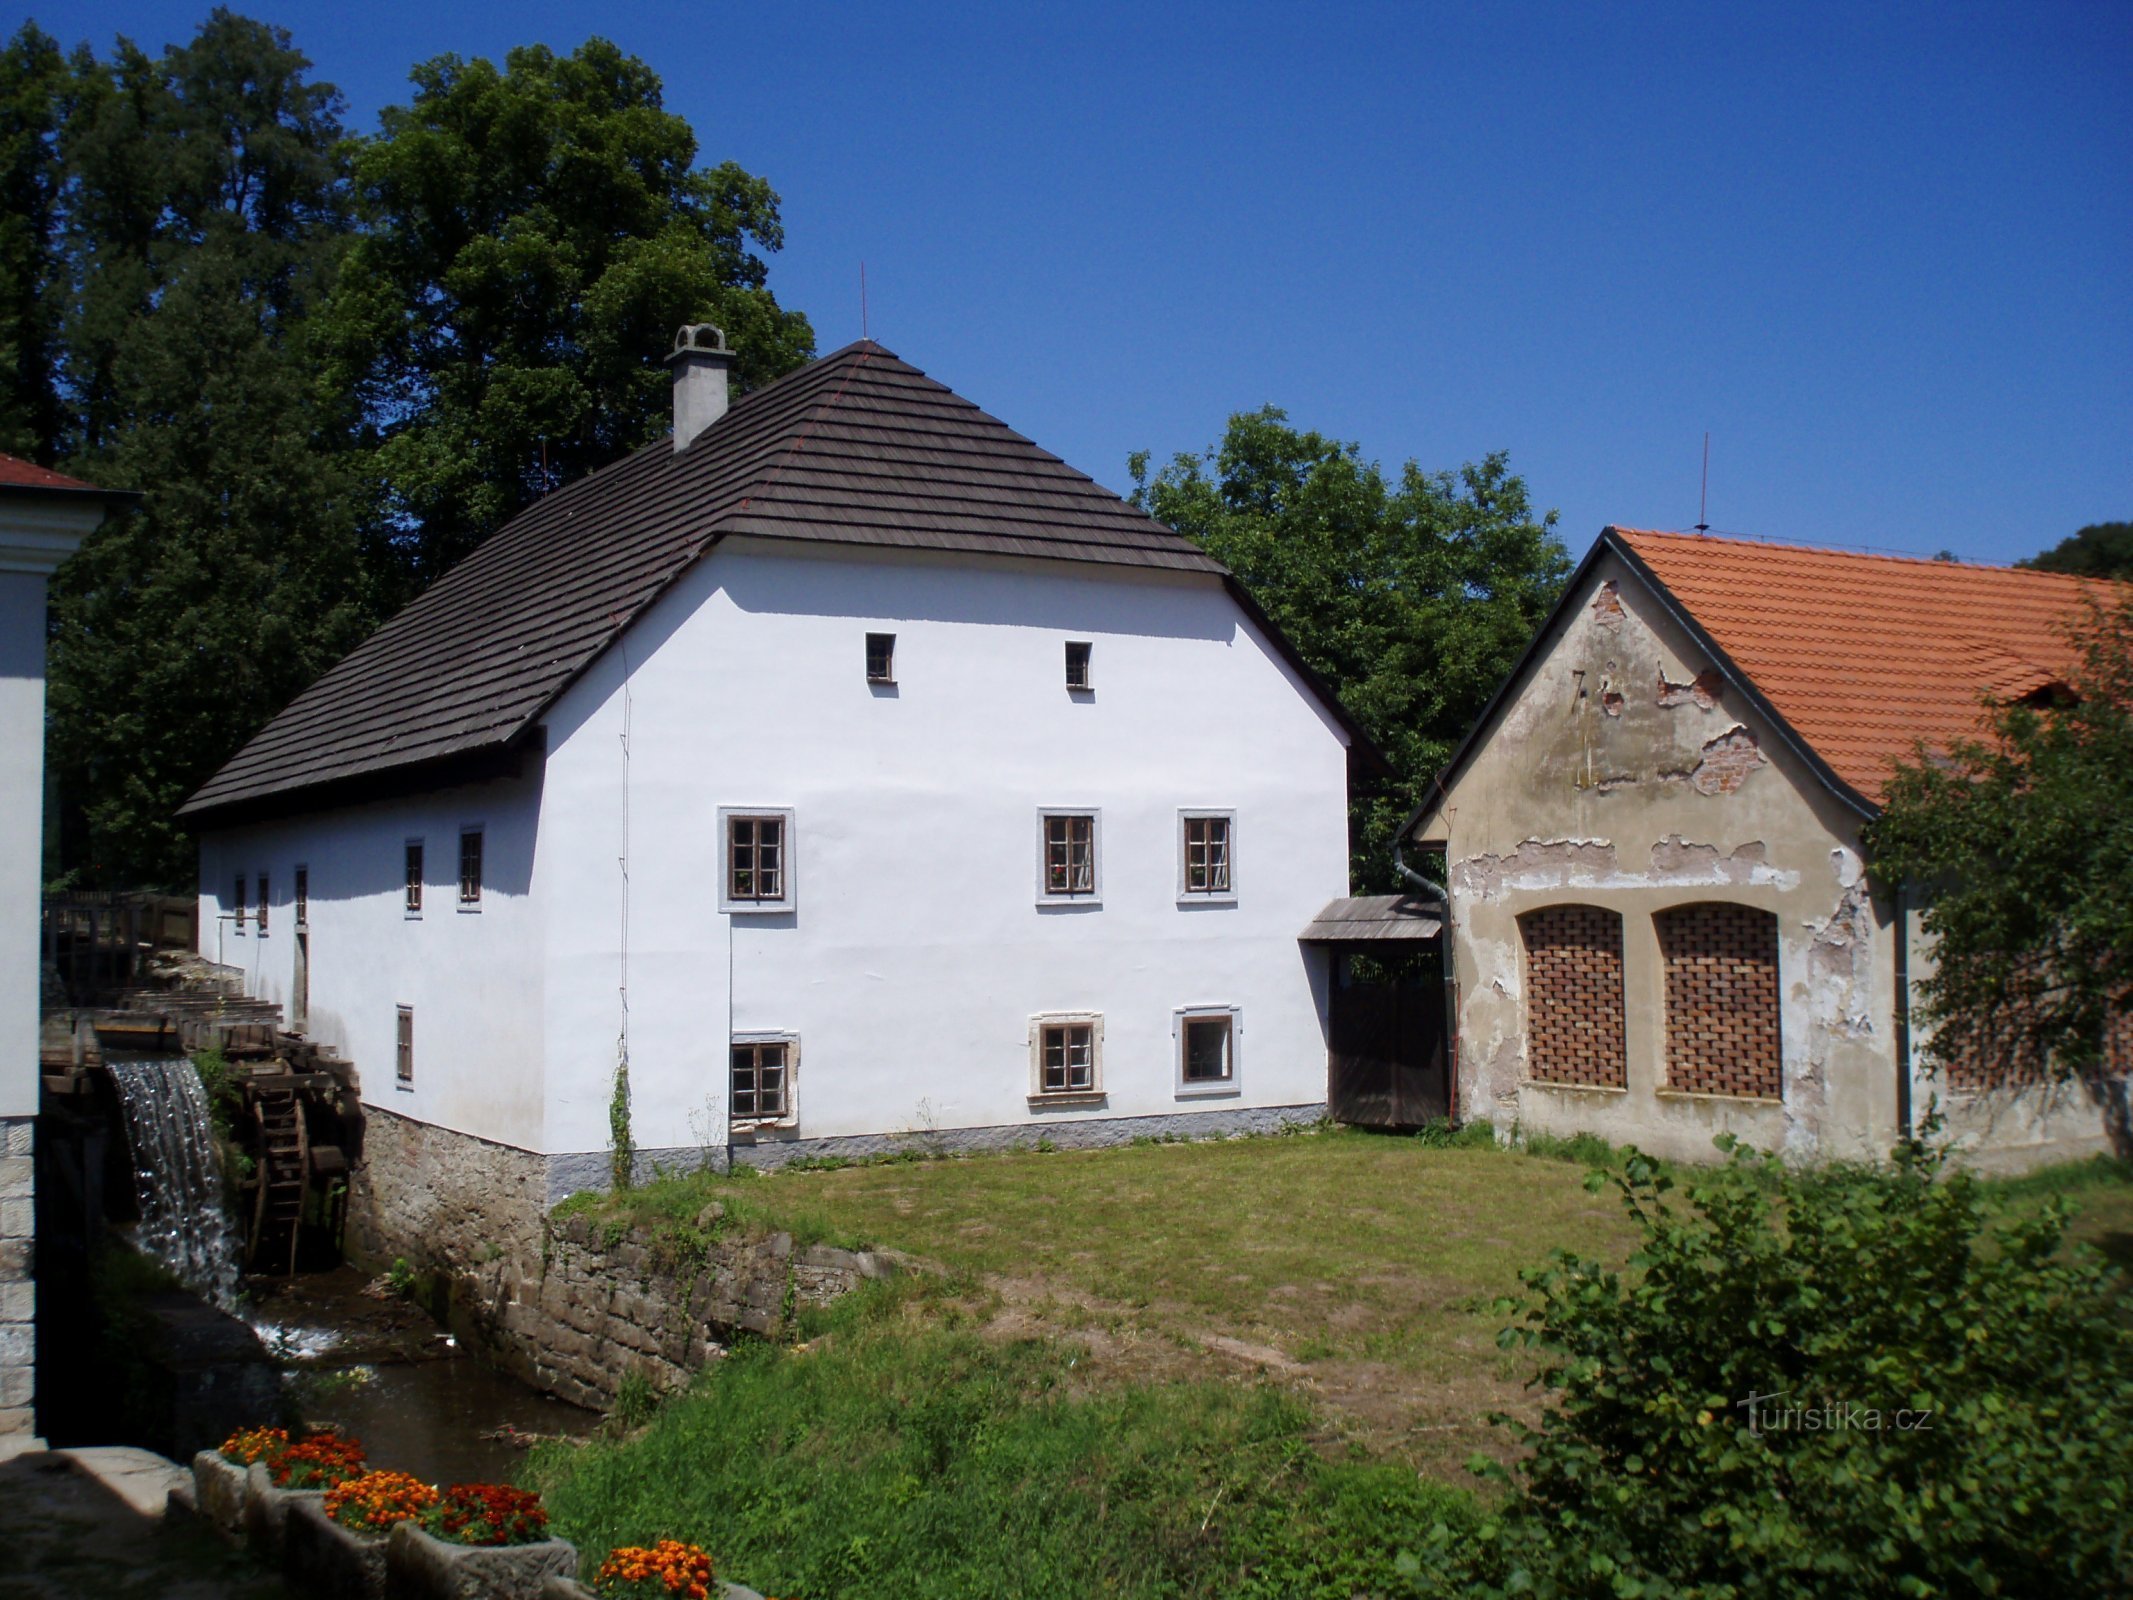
(175, 1178)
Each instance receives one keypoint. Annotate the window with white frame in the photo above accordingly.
(1207, 1050)
(1207, 855)
(1067, 855)
(1066, 1056)
(412, 896)
(757, 869)
(404, 1052)
(470, 869)
(881, 658)
(760, 1087)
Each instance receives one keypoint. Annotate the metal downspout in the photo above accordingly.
(1451, 983)
(1903, 1016)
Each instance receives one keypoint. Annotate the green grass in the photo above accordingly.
(907, 1454)
(1249, 1367)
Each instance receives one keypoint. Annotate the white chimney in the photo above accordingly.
(700, 360)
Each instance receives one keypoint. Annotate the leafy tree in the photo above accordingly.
(2024, 840)
(1412, 596)
(1830, 1382)
(2101, 550)
(33, 79)
(532, 239)
(204, 210)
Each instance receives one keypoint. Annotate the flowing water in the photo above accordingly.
(175, 1178)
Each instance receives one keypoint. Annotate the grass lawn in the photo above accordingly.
(1363, 1270)
(1252, 1367)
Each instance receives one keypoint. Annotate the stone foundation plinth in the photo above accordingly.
(18, 1291)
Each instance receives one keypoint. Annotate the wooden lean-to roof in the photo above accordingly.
(857, 448)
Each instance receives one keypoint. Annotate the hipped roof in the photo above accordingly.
(857, 448)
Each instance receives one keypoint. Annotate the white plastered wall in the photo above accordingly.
(473, 977)
(917, 953)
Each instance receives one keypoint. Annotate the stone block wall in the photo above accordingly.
(607, 1305)
(18, 1290)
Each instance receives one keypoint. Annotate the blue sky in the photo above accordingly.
(1884, 254)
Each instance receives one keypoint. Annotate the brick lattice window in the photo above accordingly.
(1574, 996)
(1721, 1000)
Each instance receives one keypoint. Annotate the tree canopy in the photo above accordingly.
(2101, 550)
(1412, 594)
(530, 240)
(331, 363)
(2022, 842)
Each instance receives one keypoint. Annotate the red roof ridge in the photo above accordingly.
(1850, 552)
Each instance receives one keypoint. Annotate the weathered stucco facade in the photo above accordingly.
(1628, 773)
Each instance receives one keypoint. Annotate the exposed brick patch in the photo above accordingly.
(1607, 605)
(1721, 1000)
(1574, 996)
(1702, 691)
(1727, 761)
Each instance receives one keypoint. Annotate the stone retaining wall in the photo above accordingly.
(607, 1306)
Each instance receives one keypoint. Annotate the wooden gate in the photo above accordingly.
(1386, 1059)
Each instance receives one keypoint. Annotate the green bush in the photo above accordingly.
(1943, 1398)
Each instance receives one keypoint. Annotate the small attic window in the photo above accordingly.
(881, 658)
(1077, 663)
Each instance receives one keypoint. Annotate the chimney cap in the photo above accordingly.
(699, 339)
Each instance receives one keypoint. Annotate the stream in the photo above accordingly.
(378, 1368)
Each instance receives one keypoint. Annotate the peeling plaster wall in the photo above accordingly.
(2012, 1130)
(1626, 774)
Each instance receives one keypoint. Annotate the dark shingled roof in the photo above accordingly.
(857, 448)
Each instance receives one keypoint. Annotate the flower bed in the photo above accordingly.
(319, 1462)
(488, 1514)
(670, 1567)
(378, 1501)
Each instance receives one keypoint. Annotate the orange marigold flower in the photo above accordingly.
(248, 1445)
(374, 1502)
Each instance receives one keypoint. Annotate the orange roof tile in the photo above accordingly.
(1867, 655)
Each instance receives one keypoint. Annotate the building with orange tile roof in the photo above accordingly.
(1662, 927)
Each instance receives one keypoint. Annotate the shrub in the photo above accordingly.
(374, 1502)
(318, 1462)
(668, 1567)
(488, 1513)
(1836, 1382)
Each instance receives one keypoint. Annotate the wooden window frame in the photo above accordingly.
(1093, 894)
(413, 867)
(1183, 1021)
(881, 658)
(1080, 654)
(1226, 893)
(470, 889)
(1049, 1027)
(788, 867)
(404, 1047)
(755, 1043)
(238, 905)
(265, 896)
(302, 892)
